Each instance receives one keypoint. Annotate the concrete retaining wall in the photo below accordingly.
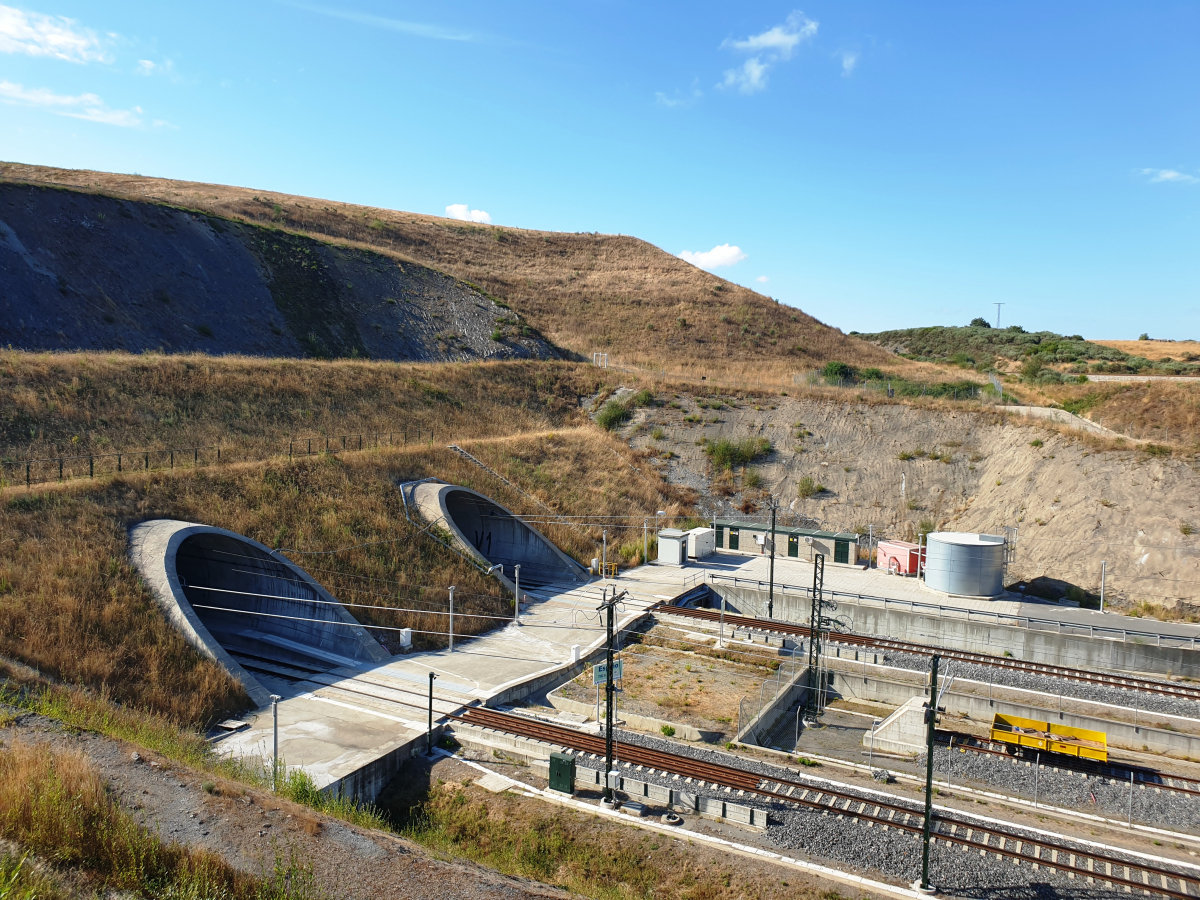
(1075, 647)
(852, 685)
(638, 723)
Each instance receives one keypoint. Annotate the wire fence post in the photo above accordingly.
(1037, 769)
(275, 698)
(118, 462)
(91, 467)
(451, 618)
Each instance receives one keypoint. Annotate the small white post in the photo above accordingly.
(1103, 573)
(604, 557)
(275, 698)
(722, 642)
(1036, 771)
(452, 618)
(645, 541)
(517, 595)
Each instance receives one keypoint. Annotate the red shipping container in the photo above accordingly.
(898, 557)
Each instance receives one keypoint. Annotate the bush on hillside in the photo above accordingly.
(612, 415)
(725, 454)
(980, 322)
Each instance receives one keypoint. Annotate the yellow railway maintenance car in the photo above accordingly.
(1051, 738)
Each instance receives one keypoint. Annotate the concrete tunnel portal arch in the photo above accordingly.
(256, 613)
(493, 535)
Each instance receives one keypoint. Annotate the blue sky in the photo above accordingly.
(880, 165)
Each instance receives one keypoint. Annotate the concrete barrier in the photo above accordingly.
(1074, 645)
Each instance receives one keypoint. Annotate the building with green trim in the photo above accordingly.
(839, 547)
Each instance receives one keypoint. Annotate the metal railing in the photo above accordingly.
(43, 470)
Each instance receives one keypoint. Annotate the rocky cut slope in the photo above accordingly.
(87, 271)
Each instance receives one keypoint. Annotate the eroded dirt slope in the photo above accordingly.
(966, 471)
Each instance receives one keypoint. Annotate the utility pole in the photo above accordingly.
(771, 584)
(814, 638)
(998, 305)
(931, 711)
(609, 605)
(429, 734)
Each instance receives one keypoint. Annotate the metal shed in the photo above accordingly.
(672, 547)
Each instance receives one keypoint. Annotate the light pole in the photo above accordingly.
(275, 698)
(656, 525)
(931, 711)
(604, 557)
(517, 605)
(771, 586)
(451, 618)
(429, 734)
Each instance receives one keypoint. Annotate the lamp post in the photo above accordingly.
(771, 585)
(657, 527)
(429, 734)
(275, 698)
(517, 605)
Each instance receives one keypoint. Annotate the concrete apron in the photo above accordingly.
(1073, 650)
(971, 699)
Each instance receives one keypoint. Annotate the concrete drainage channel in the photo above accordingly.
(843, 836)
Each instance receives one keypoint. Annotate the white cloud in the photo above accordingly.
(417, 29)
(81, 106)
(679, 98)
(1170, 175)
(464, 213)
(721, 255)
(762, 279)
(782, 40)
(768, 48)
(35, 34)
(849, 61)
(149, 67)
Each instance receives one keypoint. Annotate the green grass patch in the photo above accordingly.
(725, 453)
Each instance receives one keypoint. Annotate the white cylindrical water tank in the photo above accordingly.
(968, 564)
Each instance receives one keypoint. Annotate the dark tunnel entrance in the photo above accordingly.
(502, 538)
(265, 614)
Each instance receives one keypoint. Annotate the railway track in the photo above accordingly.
(1166, 781)
(970, 836)
(1083, 676)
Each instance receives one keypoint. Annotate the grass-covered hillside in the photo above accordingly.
(585, 292)
(1040, 355)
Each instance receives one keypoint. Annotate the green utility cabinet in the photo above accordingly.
(562, 773)
(734, 534)
(793, 545)
(841, 551)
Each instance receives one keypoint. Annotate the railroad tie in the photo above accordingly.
(1071, 862)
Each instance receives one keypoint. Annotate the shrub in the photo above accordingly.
(872, 374)
(1032, 367)
(904, 456)
(668, 730)
(807, 487)
(752, 479)
(926, 526)
(835, 371)
(497, 335)
(1143, 336)
(658, 434)
(643, 398)
(1187, 528)
(1036, 442)
(613, 414)
(1157, 450)
(980, 322)
(725, 454)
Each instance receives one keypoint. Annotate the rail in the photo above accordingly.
(894, 812)
(1031, 623)
(1180, 690)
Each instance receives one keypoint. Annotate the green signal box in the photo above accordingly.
(562, 773)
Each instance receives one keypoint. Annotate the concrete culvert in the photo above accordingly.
(494, 536)
(258, 614)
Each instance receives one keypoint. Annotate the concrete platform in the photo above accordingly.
(352, 727)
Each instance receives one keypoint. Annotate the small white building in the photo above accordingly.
(702, 542)
(673, 547)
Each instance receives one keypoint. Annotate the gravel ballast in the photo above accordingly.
(892, 852)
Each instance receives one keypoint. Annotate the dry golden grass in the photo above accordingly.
(584, 291)
(56, 805)
(1157, 350)
(71, 606)
(1165, 412)
(81, 403)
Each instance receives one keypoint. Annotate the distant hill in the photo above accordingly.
(584, 292)
(986, 348)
